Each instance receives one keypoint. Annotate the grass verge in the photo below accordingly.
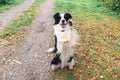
(98, 55)
(8, 6)
(25, 19)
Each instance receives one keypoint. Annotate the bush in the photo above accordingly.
(116, 6)
(113, 5)
(3, 2)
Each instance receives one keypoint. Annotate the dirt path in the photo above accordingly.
(12, 14)
(31, 62)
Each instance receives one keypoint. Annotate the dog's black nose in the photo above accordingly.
(63, 21)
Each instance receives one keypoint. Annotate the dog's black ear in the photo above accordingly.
(56, 15)
(56, 18)
(68, 16)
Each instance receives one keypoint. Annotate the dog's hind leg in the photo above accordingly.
(56, 61)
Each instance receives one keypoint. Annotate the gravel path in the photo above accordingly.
(12, 14)
(31, 62)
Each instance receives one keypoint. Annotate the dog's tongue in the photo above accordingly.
(63, 25)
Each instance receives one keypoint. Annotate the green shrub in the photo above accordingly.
(3, 2)
(113, 5)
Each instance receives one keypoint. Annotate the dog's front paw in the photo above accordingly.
(63, 40)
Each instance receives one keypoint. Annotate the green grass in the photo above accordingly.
(97, 57)
(64, 75)
(8, 6)
(88, 6)
(117, 45)
(25, 19)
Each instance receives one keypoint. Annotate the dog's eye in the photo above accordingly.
(67, 16)
(59, 17)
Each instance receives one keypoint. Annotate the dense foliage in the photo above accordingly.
(113, 5)
(3, 2)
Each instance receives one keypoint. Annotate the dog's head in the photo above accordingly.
(62, 19)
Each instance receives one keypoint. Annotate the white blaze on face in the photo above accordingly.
(62, 19)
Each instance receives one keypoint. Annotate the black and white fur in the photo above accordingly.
(66, 38)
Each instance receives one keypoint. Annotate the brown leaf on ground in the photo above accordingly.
(118, 61)
(61, 77)
(94, 78)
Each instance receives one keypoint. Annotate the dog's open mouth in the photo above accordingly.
(63, 25)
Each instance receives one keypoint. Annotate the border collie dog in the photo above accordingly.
(66, 38)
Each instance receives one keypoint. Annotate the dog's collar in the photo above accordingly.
(62, 30)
